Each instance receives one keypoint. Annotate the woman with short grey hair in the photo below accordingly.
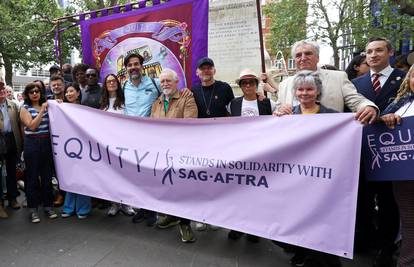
(307, 88)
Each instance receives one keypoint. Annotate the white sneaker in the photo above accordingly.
(199, 226)
(127, 210)
(114, 209)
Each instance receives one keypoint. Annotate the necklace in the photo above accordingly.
(407, 108)
(211, 98)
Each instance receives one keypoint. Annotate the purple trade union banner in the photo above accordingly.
(168, 35)
(297, 186)
(389, 153)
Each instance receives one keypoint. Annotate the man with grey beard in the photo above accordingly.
(174, 104)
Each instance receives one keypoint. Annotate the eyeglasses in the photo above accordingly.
(34, 92)
(247, 82)
(91, 75)
(111, 81)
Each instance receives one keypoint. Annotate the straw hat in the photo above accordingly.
(247, 74)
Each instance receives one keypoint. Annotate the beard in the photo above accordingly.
(167, 92)
(135, 76)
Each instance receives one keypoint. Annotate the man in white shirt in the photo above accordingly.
(337, 90)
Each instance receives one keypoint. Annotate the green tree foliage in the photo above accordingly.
(391, 23)
(96, 4)
(353, 22)
(26, 33)
(339, 22)
(330, 20)
(288, 24)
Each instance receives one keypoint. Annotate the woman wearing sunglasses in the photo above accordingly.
(37, 152)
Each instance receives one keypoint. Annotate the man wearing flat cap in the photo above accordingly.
(212, 97)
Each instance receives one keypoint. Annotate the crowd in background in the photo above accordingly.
(370, 88)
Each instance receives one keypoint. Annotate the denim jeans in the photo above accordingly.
(38, 159)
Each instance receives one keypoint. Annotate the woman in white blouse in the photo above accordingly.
(113, 101)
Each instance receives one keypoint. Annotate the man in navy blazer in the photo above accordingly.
(380, 85)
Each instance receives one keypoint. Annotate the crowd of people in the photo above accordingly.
(371, 88)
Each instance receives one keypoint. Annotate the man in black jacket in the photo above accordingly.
(91, 95)
(379, 85)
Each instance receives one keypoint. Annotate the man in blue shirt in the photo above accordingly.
(140, 92)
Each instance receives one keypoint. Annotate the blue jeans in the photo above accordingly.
(38, 159)
(77, 203)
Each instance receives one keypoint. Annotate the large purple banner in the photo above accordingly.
(168, 35)
(297, 186)
(389, 153)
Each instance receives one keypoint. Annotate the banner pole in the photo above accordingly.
(259, 18)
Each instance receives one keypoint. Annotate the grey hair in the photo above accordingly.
(300, 43)
(170, 71)
(307, 77)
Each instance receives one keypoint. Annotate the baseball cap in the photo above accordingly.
(205, 61)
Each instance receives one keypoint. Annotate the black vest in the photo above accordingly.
(265, 108)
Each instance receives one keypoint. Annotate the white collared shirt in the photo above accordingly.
(6, 118)
(385, 73)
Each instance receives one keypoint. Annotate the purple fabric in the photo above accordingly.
(116, 9)
(389, 153)
(57, 45)
(104, 12)
(299, 185)
(142, 4)
(198, 34)
(128, 7)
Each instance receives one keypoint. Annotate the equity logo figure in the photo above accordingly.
(169, 170)
(376, 157)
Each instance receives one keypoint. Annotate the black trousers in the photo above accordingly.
(11, 160)
(385, 225)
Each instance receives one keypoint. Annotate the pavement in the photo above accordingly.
(115, 241)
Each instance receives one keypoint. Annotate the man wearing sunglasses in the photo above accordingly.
(91, 95)
(10, 132)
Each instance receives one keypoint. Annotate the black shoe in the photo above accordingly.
(151, 219)
(298, 259)
(312, 263)
(139, 217)
(383, 259)
(234, 235)
(252, 238)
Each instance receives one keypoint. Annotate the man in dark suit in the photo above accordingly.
(379, 85)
